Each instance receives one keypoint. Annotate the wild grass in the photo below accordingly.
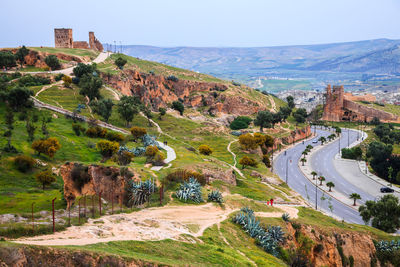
(69, 51)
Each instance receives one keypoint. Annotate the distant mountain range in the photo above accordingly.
(380, 56)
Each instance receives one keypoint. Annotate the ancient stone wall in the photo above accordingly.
(367, 113)
(334, 103)
(94, 43)
(63, 38)
(81, 45)
(366, 97)
(340, 106)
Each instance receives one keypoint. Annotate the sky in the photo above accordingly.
(201, 23)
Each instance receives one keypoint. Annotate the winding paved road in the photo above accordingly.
(298, 182)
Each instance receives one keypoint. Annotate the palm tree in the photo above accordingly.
(303, 160)
(314, 173)
(309, 147)
(330, 185)
(321, 179)
(304, 153)
(338, 131)
(355, 196)
(322, 139)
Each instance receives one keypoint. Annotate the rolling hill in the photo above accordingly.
(379, 56)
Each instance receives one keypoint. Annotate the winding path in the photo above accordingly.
(171, 155)
(234, 159)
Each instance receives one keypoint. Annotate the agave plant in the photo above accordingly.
(138, 151)
(269, 239)
(149, 140)
(285, 217)
(215, 196)
(247, 210)
(140, 192)
(190, 190)
(387, 246)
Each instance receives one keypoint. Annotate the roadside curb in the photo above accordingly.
(311, 180)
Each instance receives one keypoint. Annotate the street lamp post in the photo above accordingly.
(287, 169)
(316, 194)
(348, 137)
(272, 159)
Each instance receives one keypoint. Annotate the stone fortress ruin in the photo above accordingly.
(341, 106)
(63, 39)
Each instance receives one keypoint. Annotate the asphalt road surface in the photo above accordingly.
(287, 165)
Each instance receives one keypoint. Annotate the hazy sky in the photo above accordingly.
(200, 22)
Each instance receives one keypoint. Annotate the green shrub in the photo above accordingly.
(114, 136)
(352, 153)
(241, 122)
(24, 163)
(177, 105)
(120, 62)
(78, 129)
(29, 80)
(96, 131)
(59, 77)
(172, 78)
(205, 150)
(184, 175)
(80, 175)
(45, 178)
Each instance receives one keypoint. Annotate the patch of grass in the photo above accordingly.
(32, 69)
(69, 51)
(394, 109)
(213, 251)
(160, 69)
(308, 216)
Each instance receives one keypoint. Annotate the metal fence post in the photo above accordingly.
(33, 220)
(54, 223)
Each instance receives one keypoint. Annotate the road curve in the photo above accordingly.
(298, 182)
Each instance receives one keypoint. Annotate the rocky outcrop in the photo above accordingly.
(325, 247)
(28, 256)
(158, 91)
(294, 136)
(213, 174)
(107, 180)
(36, 59)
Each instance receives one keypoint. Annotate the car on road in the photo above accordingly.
(315, 141)
(386, 190)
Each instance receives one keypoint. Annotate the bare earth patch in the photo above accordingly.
(168, 222)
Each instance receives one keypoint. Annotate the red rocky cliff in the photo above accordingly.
(158, 91)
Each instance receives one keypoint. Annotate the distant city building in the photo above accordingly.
(63, 38)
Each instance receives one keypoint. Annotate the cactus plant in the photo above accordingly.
(190, 190)
(215, 196)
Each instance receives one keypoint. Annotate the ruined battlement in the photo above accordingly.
(340, 106)
(63, 39)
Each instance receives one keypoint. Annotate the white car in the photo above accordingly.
(315, 141)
